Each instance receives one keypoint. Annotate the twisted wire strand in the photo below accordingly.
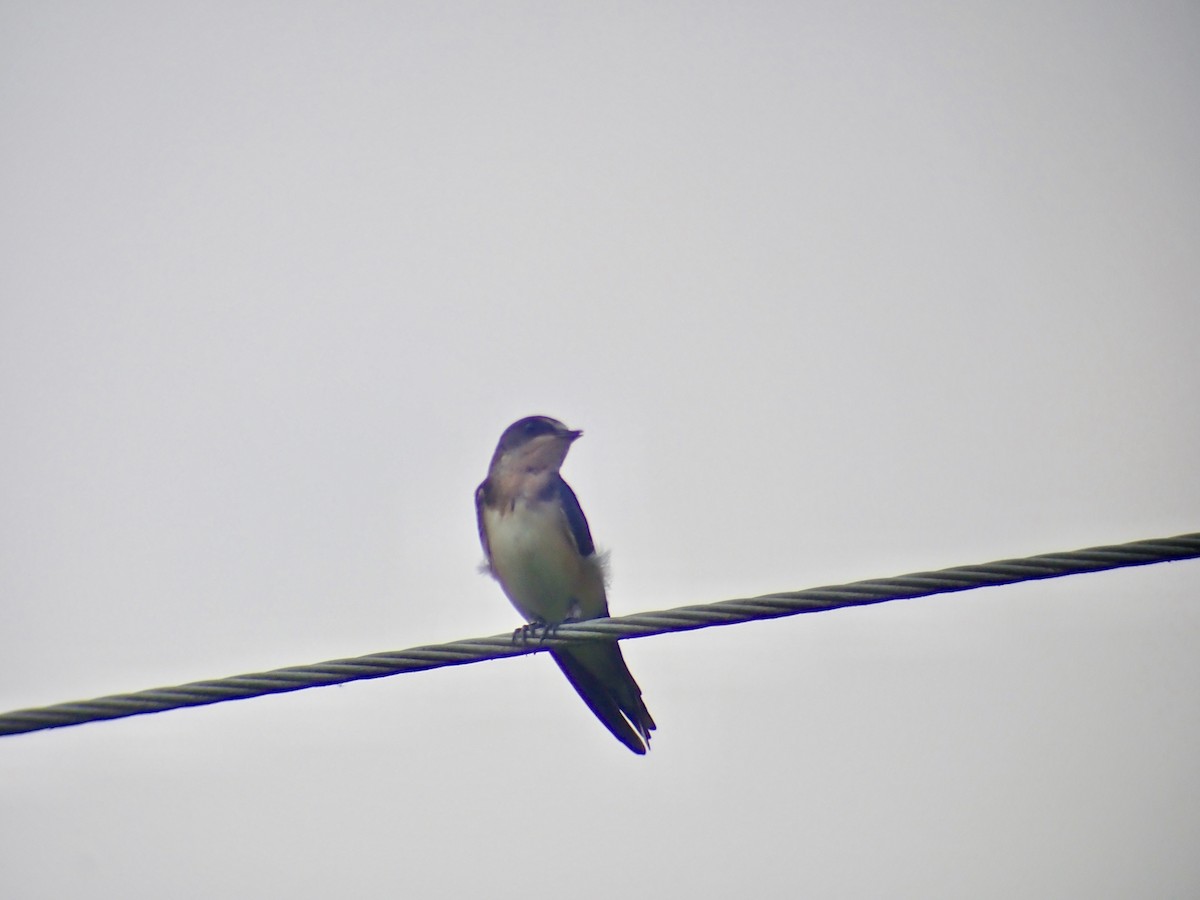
(684, 618)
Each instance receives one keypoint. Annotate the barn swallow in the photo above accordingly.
(538, 546)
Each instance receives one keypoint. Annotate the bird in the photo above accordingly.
(538, 546)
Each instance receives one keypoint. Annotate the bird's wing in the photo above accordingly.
(576, 520)
(480, 497)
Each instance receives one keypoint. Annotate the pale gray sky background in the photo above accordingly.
(837, 291)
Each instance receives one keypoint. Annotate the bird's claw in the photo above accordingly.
(548, 630)
(531, 628)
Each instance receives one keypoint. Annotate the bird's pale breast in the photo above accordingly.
(536, 562)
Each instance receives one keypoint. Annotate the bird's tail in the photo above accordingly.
(599, 674)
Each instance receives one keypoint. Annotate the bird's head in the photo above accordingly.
(534, 444)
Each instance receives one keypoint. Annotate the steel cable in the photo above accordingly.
(684, 618)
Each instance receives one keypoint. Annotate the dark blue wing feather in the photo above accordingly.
(576, 519)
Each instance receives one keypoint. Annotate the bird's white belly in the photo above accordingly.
(537, 564)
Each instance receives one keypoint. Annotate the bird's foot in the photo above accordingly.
(525, 631)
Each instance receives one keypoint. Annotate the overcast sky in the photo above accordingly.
(836, 291)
